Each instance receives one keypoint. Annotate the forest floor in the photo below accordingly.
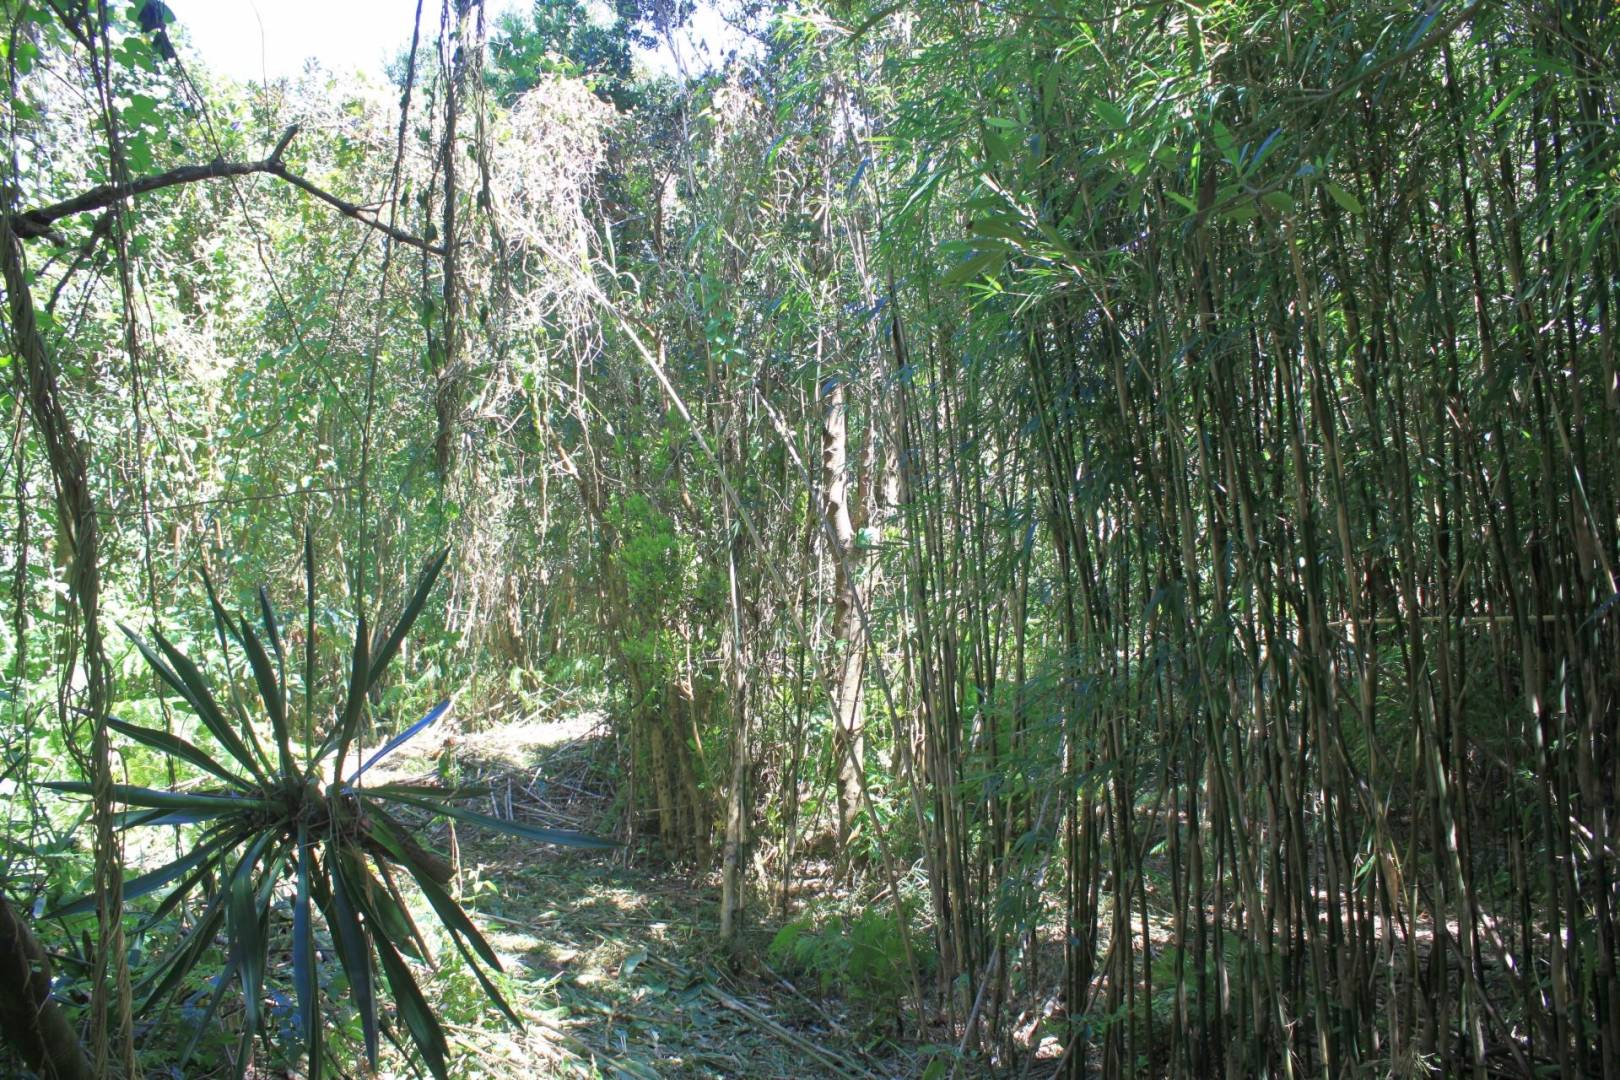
(615, 966)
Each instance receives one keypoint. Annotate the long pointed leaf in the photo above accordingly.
(270, 690)
(249, 946)
(186, 953)
(211, 718)
(451, 914)
(353, 949)
(491, 991)
(268, 613)
(426, 790)
(244, 1051)
(424, 586)
(309, 637)
(205, 1021)
(130, 795)
(184, 676)
(186, 886)
(402, 738)
(224, 627)
(359, 680)
(413, 1009)
(306, 988)
(129, 819)
(384, 913)
(411, 941)
(245, 725)
(201, 696)
(564, 837)
(467, 937)
(150, 881)
(222, 621)
(397, 844)
(177, 747)
(274, 869)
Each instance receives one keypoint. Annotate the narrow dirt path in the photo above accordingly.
(615, 968)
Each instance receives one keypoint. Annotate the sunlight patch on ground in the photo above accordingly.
(513, 746)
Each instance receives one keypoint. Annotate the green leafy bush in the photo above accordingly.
(862, 958)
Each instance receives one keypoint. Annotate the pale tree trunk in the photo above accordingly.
(733, 859)
(850, 668)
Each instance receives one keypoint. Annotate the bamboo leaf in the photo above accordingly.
(1347, 202)
(1111, 114)
(1182, 201)
(1280, 201)
(975, 267)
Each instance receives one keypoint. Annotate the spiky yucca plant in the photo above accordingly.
(272, 823)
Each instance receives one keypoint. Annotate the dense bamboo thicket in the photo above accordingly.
(1097, 522)
(1303, 325)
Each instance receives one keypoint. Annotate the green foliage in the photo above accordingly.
(656, 564)
(297, 821)
(575, 38)
(654, 558)
(1227, 391)
(859, 956)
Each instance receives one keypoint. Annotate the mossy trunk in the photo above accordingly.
(30, 1021)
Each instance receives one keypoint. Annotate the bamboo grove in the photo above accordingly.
(1125, 495)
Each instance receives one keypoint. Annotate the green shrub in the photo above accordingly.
(861, 958)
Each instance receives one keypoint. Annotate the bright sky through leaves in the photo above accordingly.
(257, 39)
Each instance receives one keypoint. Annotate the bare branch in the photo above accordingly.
(349, 209)
(38, 222)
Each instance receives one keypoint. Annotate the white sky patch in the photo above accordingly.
(255, 40)
(701, 45)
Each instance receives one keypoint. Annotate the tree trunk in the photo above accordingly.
(851, 667)
(77, 508)
(30, 1021)
(448, 384)
(733, 859)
